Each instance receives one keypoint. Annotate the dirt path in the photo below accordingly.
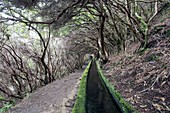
(48, 99)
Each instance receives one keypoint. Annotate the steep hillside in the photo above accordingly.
(143, 78)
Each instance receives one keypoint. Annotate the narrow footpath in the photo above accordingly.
(48, 99)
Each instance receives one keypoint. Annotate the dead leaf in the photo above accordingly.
(158, 107)
(161, 98)
(143, 106)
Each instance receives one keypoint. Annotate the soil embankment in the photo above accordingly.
(144, 79)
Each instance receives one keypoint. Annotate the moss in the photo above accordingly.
(7, 106)
(1, 97)
(126, 107)
(79, 106)
(167, 33)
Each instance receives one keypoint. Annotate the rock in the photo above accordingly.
(68, 104)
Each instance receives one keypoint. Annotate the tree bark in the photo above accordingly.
(102, 50)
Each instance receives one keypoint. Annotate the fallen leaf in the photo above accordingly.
(143, 106)
(158, 107)
(161, 98)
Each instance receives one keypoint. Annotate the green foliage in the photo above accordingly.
(142, 51)
(127, 108)
(79, 106)
(20, 29)
(167, 33)
(1, 97)
(6, 106)
(151, 57)
(63, 31)
(85, 17)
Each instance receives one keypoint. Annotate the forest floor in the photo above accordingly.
(143, 79)
(144, 84)
(50, 98)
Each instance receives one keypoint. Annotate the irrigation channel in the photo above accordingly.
(96, 94)
(99, 99)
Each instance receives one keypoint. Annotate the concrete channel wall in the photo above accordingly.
(98, 95)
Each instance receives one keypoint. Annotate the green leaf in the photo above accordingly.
(1, 97)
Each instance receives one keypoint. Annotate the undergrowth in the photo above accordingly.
(7, 105)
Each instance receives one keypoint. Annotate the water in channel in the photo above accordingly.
(98, 98)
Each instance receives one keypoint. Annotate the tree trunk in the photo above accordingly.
(102, 50)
